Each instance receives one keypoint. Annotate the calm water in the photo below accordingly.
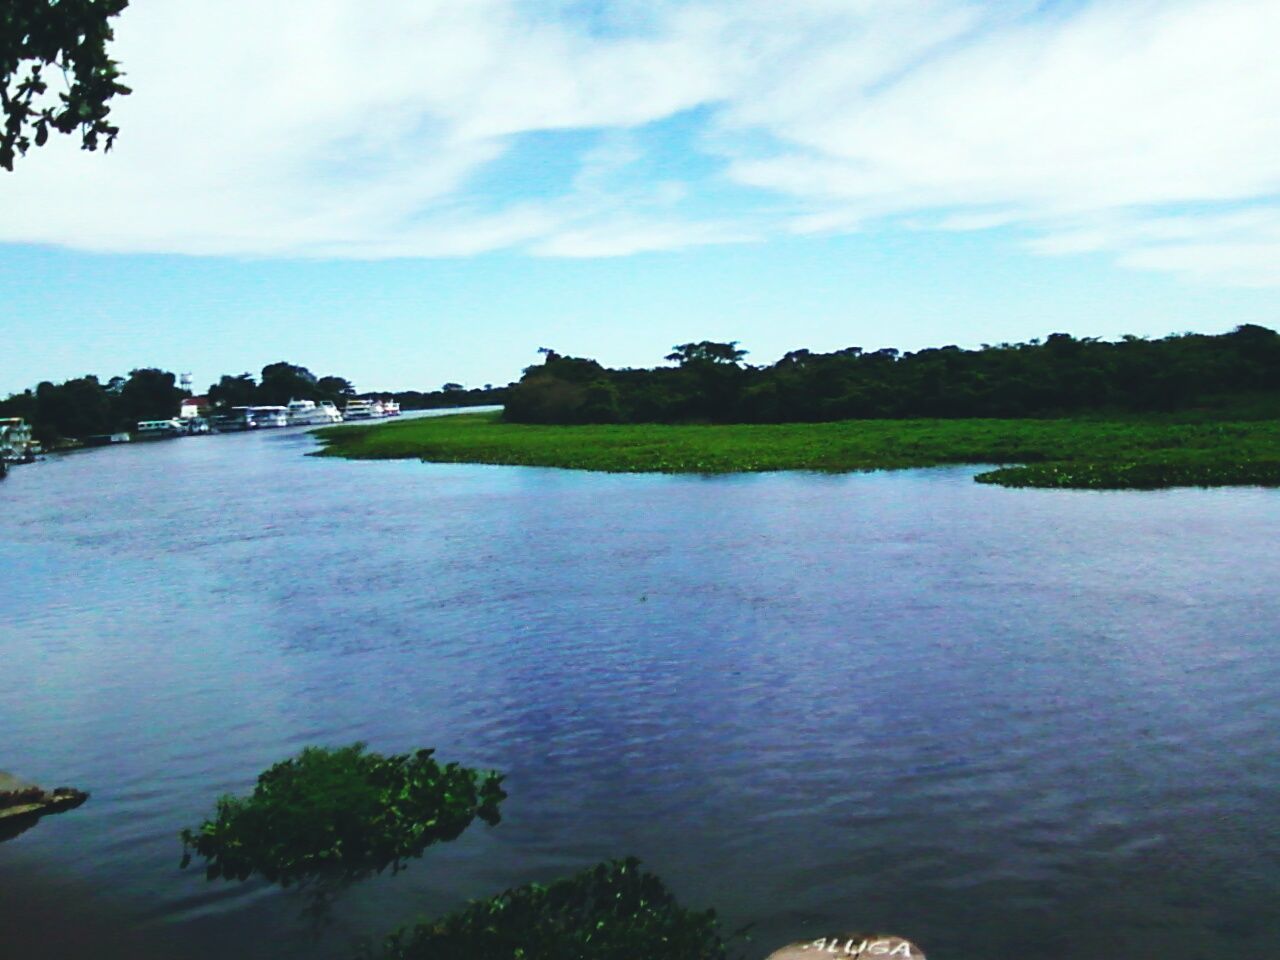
(989, 720)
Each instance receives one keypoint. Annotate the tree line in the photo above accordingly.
(450, 395)
(1059, 376)
(86, 406)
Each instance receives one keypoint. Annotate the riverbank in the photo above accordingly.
(1143, 453)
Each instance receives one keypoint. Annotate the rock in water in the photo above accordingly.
(23, 803)
(864, 946)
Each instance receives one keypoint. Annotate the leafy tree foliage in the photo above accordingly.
(282, 382)
(1060, 376)
(706, 351)
(341, 813)
(335, 388)
(83, 406)
(148, 394)
(450, 395)
(610, 911)
(238, 391)
(555, 391)
(38, 37)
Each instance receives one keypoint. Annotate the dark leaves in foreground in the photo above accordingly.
(67, 39)
(342, 814)
(611, 911)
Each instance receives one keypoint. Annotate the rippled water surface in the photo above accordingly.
(990, 720)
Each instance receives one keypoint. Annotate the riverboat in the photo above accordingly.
(359, 410)
(159, 429)
(390, 408)
(235, 421)
(16, 442)
(268, 416)
(310, 413)
(106, 439)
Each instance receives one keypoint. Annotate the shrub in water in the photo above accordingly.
(608, 912)
(341, 814)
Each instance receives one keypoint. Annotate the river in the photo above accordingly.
(999, 722)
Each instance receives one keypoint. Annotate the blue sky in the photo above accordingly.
(435, 193)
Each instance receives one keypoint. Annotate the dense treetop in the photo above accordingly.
(1062, 375)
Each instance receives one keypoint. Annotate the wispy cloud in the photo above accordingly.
(1146, 130)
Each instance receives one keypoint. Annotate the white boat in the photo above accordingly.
(159, 429)
(237, 419)
(16, 442)
(268, 417)
(359, 410)
(310, 413)
(390, 408)
(106, 439)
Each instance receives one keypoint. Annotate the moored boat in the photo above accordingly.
(106, 439)
(310, 413)
(17, 445)
(359, 410)
(235, 420)
(159, 429)
(268, 416)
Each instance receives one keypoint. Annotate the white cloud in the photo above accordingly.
(1148, 130)
(1239, 247)
(623, 234)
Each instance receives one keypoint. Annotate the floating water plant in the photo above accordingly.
(1138, 475)
(341, 814)
(611, 911)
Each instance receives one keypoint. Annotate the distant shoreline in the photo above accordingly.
(1070, 453)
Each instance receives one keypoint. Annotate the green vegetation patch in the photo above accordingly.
(610, 911)
(1137, 476)
(1119, 452)
(342, 814)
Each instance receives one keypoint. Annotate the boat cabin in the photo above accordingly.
(16, 441)
(159, 429)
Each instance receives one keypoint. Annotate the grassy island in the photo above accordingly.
(1183, 410)
(1121, 453)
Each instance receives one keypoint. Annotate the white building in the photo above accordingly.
(193, 407)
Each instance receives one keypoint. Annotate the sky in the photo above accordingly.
(408, 192)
